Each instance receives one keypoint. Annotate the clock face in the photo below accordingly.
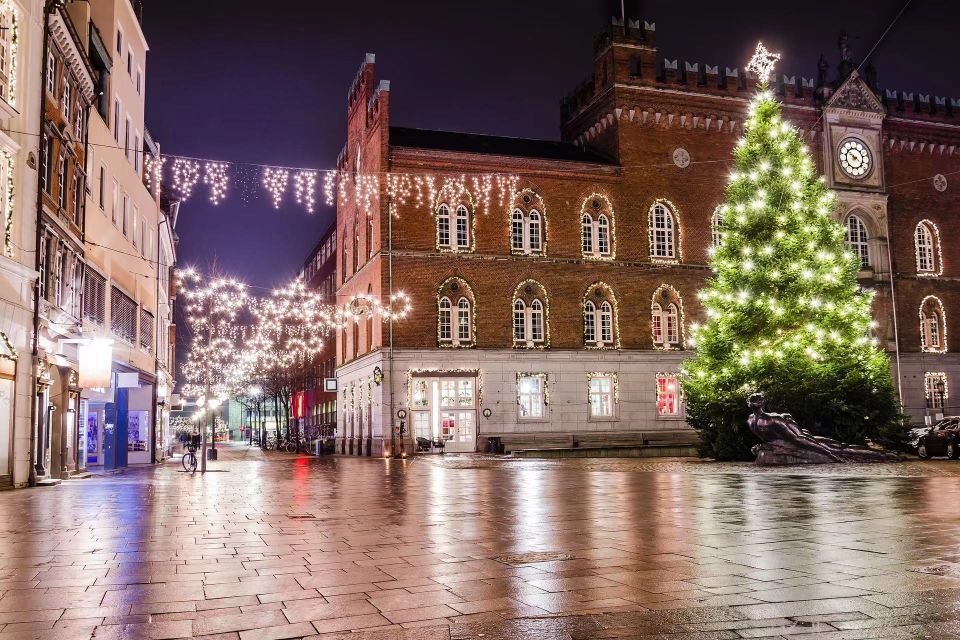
(855, 158)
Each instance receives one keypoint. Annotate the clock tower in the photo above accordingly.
(853, 165)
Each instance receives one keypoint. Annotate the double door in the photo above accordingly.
(445, 408)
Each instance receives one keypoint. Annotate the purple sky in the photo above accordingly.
(267, 84)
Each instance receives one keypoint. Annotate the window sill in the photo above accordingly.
(603, 419)
(543, 420)
(677, 418)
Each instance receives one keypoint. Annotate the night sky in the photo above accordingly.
(267, 82)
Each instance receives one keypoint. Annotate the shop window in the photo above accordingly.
(531, 395)
(602, 394)
(668, 395)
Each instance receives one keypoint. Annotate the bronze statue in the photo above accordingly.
(785, 442)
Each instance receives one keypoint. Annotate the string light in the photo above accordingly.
(216, 178)
(305, 183)
(275, 181)
(186, 173)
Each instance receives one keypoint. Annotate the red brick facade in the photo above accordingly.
(644, 130)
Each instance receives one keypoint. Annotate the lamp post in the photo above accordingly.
(254, 392)
(213, 403)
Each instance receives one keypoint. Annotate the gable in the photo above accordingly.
(855, 95)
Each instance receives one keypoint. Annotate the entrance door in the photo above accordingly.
(445, 408)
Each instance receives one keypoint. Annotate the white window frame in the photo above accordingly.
(927, 249)
(463, 235)
(665, 323)
(102, 189)
(127, 130)
(857, 238)
(596, 235)
(665, 380)
(443, 227)
(524, 323)
(117, 112)
(933, 325)
(136, 151)
(536, 397)
(464, 321)
(52, 74)
(602, 399)
(139, 80)
(934, 401)
(61, 182)
(115, 212)
(526, 231)
(663, 232)
(716, 229)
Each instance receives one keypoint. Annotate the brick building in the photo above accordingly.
(558, 315)
(319, 406)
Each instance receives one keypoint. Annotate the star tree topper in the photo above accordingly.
(762, 63)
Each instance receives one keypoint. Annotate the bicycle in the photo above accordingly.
(189, 459)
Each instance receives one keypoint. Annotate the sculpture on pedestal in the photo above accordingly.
(785, 442)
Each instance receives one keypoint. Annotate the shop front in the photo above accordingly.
(118, 421)
(444, 409)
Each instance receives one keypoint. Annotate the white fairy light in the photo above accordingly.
(186, 173)
(762, 63)
(216, 177)
(275, 180)
(305, 183)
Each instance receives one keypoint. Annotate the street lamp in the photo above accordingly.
(254, 392)
(213, 403)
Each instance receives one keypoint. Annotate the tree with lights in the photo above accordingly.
(784, 314)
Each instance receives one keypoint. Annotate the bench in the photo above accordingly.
(513, 441)
(676, 438)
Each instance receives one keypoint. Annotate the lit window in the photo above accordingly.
(531, 395)
(662, 226)
(602, 394)
(716, 228)
(599, 319)
(533, 231)
(463, 228)
(529, 317)
(606, 322)
(519, 321)
(935, 390)
(526, 228)
(857, 239)
(933, 326)
(603, 235)
(927, 246)
(596, 228)
(516, 230)
(463, 320)
(536, 321)
(589, 323)
(587, 235)
(665, 318)
(668, 395)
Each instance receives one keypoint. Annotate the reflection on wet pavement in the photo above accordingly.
(476, 547)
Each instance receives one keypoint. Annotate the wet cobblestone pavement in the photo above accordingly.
(460, 547)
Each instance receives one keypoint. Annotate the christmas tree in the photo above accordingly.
(784, 314)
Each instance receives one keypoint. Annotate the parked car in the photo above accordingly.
(942, 439)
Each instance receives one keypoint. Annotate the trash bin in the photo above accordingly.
(494, 445)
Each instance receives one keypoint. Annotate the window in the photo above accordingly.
(45, 247)
(668, 395)
(369, 237)
(59, 265)
(136, 152)
(146, 330)
(136, 226)
(463, 231)
(52, 74)
(80, 122)
(445, 331)
(46, 176)
(356, 243)
(599, 318)
(94, 297)
(463, 320)
(115, 211)
(856, 238)
(116, 120)
(139, 81)
(602, 394)
(123, 315)
(589, 322)
(65, 101)
(78, 193)
(8, 21)
(716, 228)
(443, 226)
(455, 325)
(62, 182)
(536, 321)
(927, 245)
(130, 63)
(933, 328)
(519, 321)
(531, 395)
(527, 223)
(119, 41)
(935, 389)
(150, 255)
(529, 315)
(126, 137)
(596, 228)
(663, 242)
(102, 190)
(666, 318)
(126, 216)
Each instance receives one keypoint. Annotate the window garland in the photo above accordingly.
(527, 293)
(666, 246)
(456, 220)
(598, 237)
(593, 313)
(450, 327)
(528, 224)
(659, 308)
(933, 326)
(928, 249)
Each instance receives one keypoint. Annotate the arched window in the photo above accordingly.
(519, 321)
(534, 230)
(663, 228)
(927, 246)
(596, 228)
(516, 230)
(716, 228)
(586, 242)
(933, 327)
(856, 238)
(356, 243)
(666, 318)
(455, 325)
(527, 223)
(443, 226)
(444, 323)
(600, 318)
(589, 322)
(530, 315)
(463, 228)
(463, 320)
